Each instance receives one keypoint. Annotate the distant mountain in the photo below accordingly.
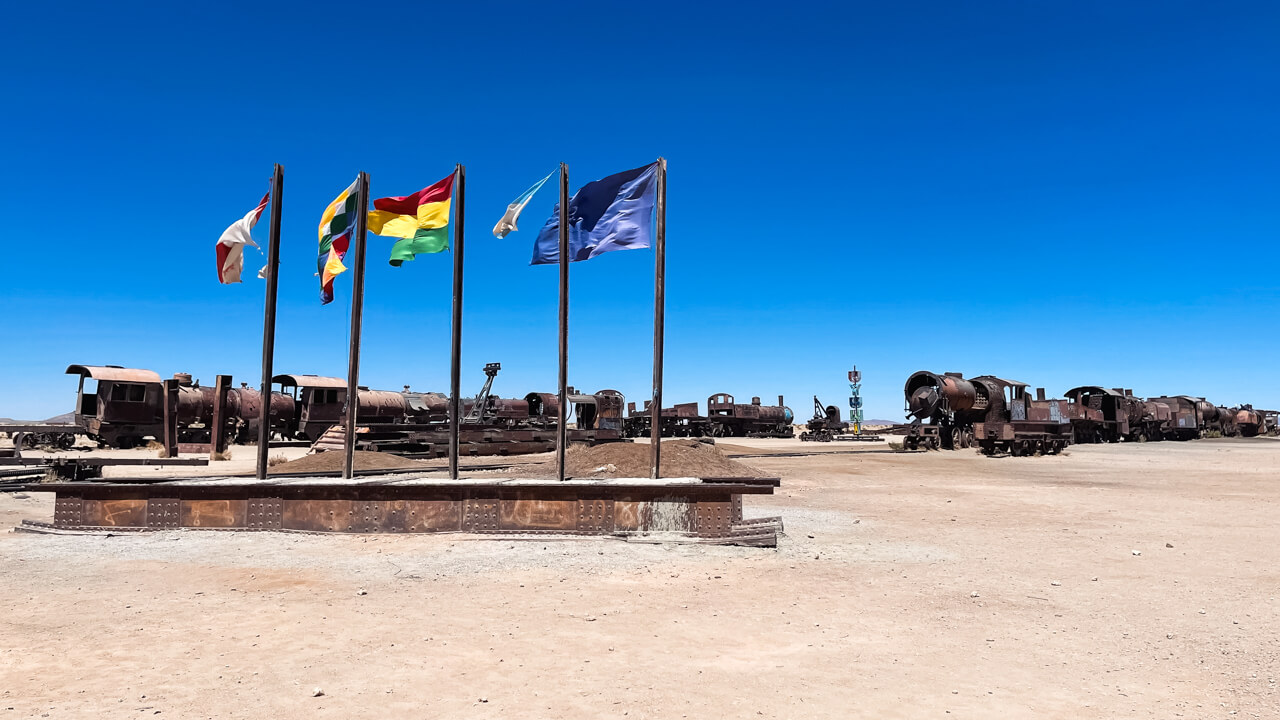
(63, 419)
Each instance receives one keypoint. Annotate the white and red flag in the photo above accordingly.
(231, 245)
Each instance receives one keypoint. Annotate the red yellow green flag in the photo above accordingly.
(420, 220)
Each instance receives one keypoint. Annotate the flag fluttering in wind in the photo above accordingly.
(614, 213)
(507, 224)
(335, 237)
(420, 220)
(230, 246)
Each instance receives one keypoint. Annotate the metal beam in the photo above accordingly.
(269, 318)
(659, 320)
(455, 347)
(357, 311)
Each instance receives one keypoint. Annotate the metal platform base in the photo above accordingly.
(706, 510)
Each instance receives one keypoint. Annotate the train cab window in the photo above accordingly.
(128, 392)
(322, 396)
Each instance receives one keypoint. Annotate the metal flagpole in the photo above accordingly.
(455, 360)
(659, 319)
(269, 319)
(562, 431)
(357, 309)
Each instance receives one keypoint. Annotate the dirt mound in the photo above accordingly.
(680, 458)
(332, 462)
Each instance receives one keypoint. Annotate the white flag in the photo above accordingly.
(231, 245)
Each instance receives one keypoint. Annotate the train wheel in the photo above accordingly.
(953, 439)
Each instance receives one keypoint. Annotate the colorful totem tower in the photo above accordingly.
(855, 401)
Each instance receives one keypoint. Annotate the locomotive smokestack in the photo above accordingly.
(755, 400)
(1039, 393)
(780, 403)
(183, 378)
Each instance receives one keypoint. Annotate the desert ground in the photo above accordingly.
(1132, 580)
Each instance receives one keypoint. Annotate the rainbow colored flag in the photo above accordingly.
(420, 220)
(335, 237)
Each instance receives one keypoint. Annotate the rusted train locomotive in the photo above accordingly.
(320, 403)
(949, 412)
(991, 413)
(121, 407)
(725, 418)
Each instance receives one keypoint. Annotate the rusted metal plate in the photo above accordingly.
(626, 514)
(265, 513)
(194, 448)
(115, 513)
(668, 514)
(529, 512)
(654, 514)
(370, 516)
(309, 381)
(68, 511)
(432, 515)
(595, 515)
(713, 518)
(215, 513)
(480, 515)
(107, 372)
(710, 510)
(320, 515)
(163, 513)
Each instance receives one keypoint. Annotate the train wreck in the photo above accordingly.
(948, 412)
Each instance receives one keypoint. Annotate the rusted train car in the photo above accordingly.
(725, 418)
(991, 413)
(1251, 423)
(321, 403)
(122, 407)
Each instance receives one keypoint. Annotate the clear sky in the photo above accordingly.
(1063, 193)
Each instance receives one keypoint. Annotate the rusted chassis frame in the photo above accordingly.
(1023, 437)
(706, 511)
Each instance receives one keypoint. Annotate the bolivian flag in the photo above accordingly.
(335, 237)
(420, 220)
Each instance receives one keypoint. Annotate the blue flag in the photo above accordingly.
(615, 213)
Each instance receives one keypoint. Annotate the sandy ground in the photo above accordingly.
(907, 586)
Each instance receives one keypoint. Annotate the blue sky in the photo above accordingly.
(1064, 193)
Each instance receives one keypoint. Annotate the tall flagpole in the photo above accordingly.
(357, 309)
(455, 359)
(562, 430)
(659, 319)
(269, 321)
